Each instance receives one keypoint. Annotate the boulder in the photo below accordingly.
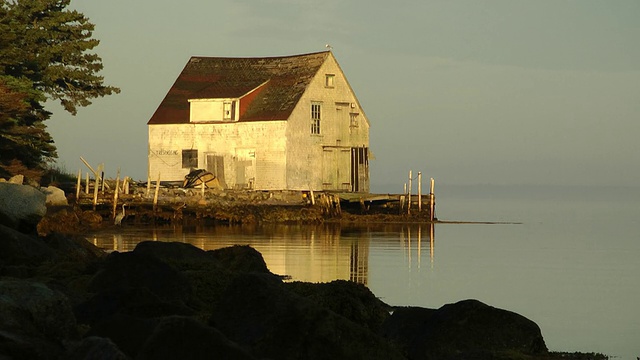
(62, 221)
(128, 332)
(135, 284)
(17, 179)
(259, 313)
(54, 196)
(173, 252)
(130, 301)
(240, 258)
(35, 320)
(21, 206)
(176, 336)
(468, 329)
(18, 249)
(347, 298)
(94, 347)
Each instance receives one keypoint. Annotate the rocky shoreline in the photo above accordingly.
(63, 298)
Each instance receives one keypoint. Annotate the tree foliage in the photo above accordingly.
(45, 53)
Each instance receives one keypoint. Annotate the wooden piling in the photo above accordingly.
(155, 197)
(79, 185)
(431, 201)
(409, 196)
(419, 191)
(96, 187)
(148, 185)
(115, 195)
(86, 191)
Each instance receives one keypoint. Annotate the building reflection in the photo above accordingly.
(312, 253)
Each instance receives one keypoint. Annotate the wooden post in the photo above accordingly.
(115, 195)
(95, 173)
(102, 178)
(409, 195)
(202, 189)
(431, 201)
(79, 185)
(155, 197)
(86, 190)
(148, 185)
(419, 191)
(313, 198)
(96, 187)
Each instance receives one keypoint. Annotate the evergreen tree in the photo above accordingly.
(44, 54)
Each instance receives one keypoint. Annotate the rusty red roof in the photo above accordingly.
(283, 79)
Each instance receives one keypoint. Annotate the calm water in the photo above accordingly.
(568, 260)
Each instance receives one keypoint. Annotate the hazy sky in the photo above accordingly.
(468, 92)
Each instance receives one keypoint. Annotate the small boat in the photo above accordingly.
(199, 176)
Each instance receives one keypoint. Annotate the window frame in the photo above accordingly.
(316, 117)
(330, 80)
(189, 158)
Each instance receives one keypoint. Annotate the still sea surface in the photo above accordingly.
(567, 258)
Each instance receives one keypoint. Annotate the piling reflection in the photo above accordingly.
(313, 253)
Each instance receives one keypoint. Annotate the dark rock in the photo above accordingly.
(135, 270)
(140, 302)
(17, 248)
(173, 252)
(61, 220)
(128, 332)
(21, 206)
(468, 329)
(95, 348)
(35, 320)
(349, 299)
(259, 313)
(90, 218)
(175, 337)
(240, 259)
(73, 248)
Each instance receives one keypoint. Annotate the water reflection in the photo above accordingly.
(313, 253)
(409, 234)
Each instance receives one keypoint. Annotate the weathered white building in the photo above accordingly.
(271, 123)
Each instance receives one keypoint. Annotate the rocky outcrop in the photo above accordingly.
(62, 298)
(466, 329)
(21, 206)
(54, 196)
(35, 321)
(261, 314)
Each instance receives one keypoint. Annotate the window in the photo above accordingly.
(315, 118)
(229, 110)
(189, 158)
(329, 80)
(354, 119)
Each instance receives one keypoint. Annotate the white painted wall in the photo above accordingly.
(305, 165)
(211, 110)
(254, 151)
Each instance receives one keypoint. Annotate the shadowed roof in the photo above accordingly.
(283, 79)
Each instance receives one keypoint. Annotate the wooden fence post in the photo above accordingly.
(155, 197)
(409, 195)
(79, 185)
(419, 191)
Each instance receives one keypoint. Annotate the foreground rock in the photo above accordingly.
(21, 206)
(62, 298)
(468, 327)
